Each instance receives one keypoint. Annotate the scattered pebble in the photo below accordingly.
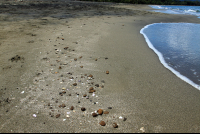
(58, 115)
(83, 109)
(72, 108)
(75, 84)
(94, 114)
(107, 72)
(106, 112)
(109, 107)
(100, 111)
(102, 123)
(115, 125)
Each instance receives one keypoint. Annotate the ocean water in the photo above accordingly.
(189, 10)
(178, 48)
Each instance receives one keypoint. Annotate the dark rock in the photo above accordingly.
(83, 109)
(84, 95)
(109, 107)
(60, 67)
(115, 125)
(124, 119)
(90, 76)
(80, 57)
(95, 59)
(58, 115)
(97, 85)
(94, 114)
(75, 84)
(71, 108)
(91, 88)
(66, 48)
(81, 66)
(102, 123)
(107, 72)
(75, 59)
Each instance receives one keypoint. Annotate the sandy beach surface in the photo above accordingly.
(65, 66)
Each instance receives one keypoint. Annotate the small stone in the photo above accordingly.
(83, 109)
(106, 58)
(60, 67)
(115, 125)
(91, 91)
(94, 114)
(124, 119)
(109, 107)
(107, 72)
(95, 59)
(72, 108)
(66, 48)
(84, 95)
(75, 84)
(75, 59)
(100, 111)
(79, 102)
(97, 85)
(106, 112)
(81, 66)
(48, 104)
(102, 123)
(90, 76)
(80, 57)
(142, 129)
(69, 94)
(91, 88)
(58, 115)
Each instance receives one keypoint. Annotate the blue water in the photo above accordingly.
(189, 10)
(178, 48)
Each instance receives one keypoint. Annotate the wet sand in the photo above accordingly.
(49, 50)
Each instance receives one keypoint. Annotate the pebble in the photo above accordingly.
(91, 91)
(94, 114)
(95, 59)
(115, 125)
(106, 112)
(81, 66)
(75, 84)
(107, 72)
(75, 59)
(84, 95)
(100, 111)
(60, 67)
(109, 107)
(58, 115)
(102, 123)
(90, 76)
(72, 108)
(97, 85)
(66, 48)
(91, 88)
(80, 57)
(83, 109)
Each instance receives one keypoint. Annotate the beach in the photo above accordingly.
(53, 52)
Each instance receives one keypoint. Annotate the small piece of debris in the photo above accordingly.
(102, 123)
(115, 125)
(75, 84)
(83, 109)
(107, 72)
(106, 112)
(72, 108)
(58, 115)
(100, 111)
(94, 114)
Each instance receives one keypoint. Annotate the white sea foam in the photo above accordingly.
(161, 58)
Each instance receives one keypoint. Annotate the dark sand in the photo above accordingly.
(36, 71)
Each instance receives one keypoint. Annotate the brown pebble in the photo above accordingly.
(84, 95)
(100, 111)
(80, 57)
(60, 67)
(95, 59)
(91, 88)
(91, 91)
(81, 66)
(75, 84)
(83, 109)
(48, 104)
(90, 75)
(106, 112)
(94, 114)
(62, 38)
(107, 72)
(102, 123)
(115, 125)
(71, 108)
(69, 94)
(58, 115)
(66, 48)
(75, 59)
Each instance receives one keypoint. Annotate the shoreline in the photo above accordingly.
(147, 96)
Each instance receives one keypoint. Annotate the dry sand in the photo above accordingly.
(43, 46)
